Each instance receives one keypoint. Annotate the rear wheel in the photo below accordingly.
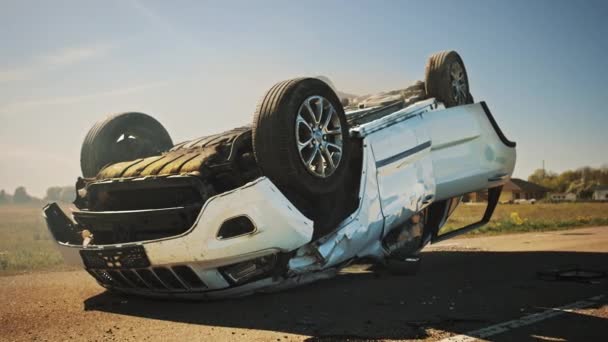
(122, 137)
(300, 137)
(446, 79)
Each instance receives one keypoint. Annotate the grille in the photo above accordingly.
(117, 212)
(115, 258)
(187, 275)
(162, 279)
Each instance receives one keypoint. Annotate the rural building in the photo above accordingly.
(600, 193)
(514, 189)
(560, 196)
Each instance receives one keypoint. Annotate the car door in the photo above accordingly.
(402, 153)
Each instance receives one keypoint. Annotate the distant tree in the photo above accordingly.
(582, 188)
(53, 193)
(547, 179)
(566, 179)
(4, 199)
(68, 194)
(21, 196)
(580, 181)
(60, 194)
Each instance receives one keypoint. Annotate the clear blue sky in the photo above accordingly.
(200, 67)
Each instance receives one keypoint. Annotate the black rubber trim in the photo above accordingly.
(501, 135)
(403, 154)
(61, 226)
(493, 196)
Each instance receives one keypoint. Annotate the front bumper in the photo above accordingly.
(189, 264)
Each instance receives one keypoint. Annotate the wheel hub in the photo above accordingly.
(319, 136)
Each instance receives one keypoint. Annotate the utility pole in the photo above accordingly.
(544, 172)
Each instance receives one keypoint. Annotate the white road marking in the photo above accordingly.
(526, 320)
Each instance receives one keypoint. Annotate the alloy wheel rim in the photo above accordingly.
(459, 84)
(319, 138)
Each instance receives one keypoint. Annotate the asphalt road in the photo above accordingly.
(467, 287)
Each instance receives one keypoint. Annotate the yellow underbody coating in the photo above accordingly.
(186, 157)
(170, 163)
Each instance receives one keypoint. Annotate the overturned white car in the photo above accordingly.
(310, 187)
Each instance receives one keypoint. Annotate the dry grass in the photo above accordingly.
(25, 243)
(530, 217)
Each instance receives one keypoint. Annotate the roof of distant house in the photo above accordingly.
(525, 186)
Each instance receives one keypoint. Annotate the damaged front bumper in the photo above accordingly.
(201, 264)
(203, 261)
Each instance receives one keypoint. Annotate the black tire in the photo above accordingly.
(275, 140)
(122, 137)
(439, 78)
(403, 267)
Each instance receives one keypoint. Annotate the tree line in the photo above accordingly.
(580, 181)
(53, 194)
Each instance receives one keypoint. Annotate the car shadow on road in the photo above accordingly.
(455, 291)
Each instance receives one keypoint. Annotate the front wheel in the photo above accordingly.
(300, 137)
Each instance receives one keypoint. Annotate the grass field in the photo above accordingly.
(514, 218)
(26, 245)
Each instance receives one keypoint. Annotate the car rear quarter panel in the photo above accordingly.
(467, 152)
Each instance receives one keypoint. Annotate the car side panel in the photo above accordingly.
(406, 182)
(437, 154)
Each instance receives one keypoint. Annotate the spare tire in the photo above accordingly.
(300, 137)
(446, 79)
(122, 137)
